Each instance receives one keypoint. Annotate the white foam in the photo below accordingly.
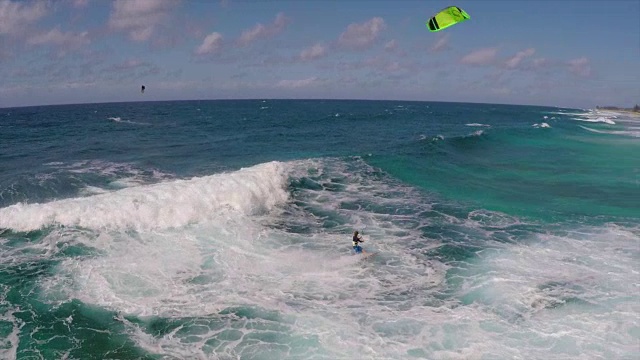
(541, 125)
(492, 219)
(598, 119)
(230, 261)
(562, 293)
(477, 124)
(614, 132)
(119, 120)
(509, 301)
(164, 205)
(9, 344)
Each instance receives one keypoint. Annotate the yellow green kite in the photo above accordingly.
(447, 17)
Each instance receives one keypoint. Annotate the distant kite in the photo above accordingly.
(142, 89)
(447, 17)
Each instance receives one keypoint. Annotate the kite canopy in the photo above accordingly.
(142, 89)
(447, 17)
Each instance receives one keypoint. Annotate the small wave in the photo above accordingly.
(477, 124)
(541, 125)
(613, 132)
(119, 120)
(599, 119)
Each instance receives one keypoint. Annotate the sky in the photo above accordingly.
(556, 53)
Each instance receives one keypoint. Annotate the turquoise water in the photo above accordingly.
(221, 230)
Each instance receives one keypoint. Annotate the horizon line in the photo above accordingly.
(290, 99)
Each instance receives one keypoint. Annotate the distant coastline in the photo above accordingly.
(635, 109)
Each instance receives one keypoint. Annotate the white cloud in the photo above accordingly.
(15, 16)
(514, 61)
(67, 40)
(263, 31)
(540, 62)
(480, 57)
(391, 45)
(580, 67)
(441, 44)
(80, 3)
(139, 18)
(362, 35)
(293, 84)
(315, 52)
(211, 44)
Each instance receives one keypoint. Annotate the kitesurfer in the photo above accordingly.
(357, 238)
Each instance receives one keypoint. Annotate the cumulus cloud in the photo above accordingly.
(80, 3)
(264, 31)
(440, 44)
(362, 35)
(15, 16)
(211, 44)
(480, 57)
(540, 62)
(580, 67)
(514, 61)
(314, 52)
(67, 40)
(391, 46)
(140, 18)
(294, 84)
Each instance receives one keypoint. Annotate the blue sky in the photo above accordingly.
(559, 53)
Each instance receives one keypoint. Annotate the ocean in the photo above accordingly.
(222, 230)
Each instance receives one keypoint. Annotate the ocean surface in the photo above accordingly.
(222, 230)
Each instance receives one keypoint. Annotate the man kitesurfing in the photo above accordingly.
(357, 249)
(142, 89)
(357, 238)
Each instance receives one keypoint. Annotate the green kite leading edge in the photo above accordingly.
(447, 17)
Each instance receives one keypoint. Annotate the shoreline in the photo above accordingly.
(619, 111)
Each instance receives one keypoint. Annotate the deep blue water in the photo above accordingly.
(221, 229)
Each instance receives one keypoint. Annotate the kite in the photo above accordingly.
(142, 89)
(447, 17)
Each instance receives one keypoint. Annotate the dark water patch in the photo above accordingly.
(452, 253)
(77, 330)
